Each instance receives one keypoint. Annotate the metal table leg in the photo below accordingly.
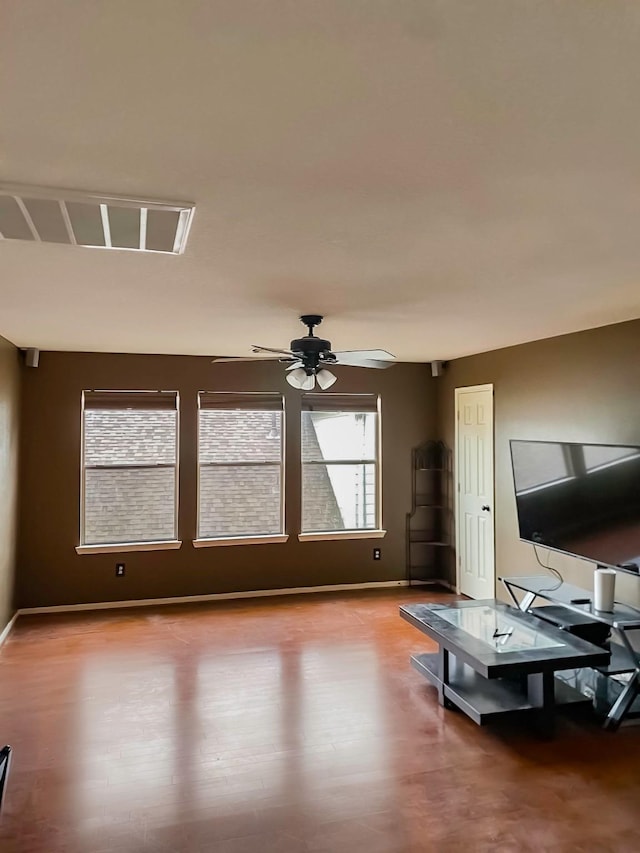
(625, 700)
(444, 674)
(526, 602)
(5, 763)
(541, 693)
(622, 705)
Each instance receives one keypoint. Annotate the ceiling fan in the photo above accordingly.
(308, 358)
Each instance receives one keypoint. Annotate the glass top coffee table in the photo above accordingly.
(494, 660)
(497, 628)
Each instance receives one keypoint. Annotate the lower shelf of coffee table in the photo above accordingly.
(484, 699)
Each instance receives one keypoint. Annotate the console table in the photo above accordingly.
(494, 660)
(578, 602)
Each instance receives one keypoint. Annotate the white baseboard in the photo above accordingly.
(8, 627)
(218, 596)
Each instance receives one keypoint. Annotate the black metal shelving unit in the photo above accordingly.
(428, 533)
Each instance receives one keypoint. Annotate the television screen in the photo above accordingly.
(583, 499)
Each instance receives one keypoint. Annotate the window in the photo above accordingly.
(340, 463)
(129, 469)
(240, 468)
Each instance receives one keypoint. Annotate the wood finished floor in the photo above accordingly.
(282, 726)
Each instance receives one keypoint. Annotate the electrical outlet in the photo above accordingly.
(377, 553)
(119, 570)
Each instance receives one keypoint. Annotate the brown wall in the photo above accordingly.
(580, 387)
(50, 572)
(9, 411)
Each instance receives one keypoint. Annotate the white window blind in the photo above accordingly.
(340, 462)
(240, 464)
(129, 467)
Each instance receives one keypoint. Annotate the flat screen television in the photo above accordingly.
(580, 499)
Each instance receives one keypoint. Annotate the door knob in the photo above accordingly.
(486, 508)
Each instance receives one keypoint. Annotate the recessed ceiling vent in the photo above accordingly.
(98, 221)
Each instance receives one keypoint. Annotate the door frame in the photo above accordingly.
(465, 389)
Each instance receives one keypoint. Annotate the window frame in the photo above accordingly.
(249, 538)
(377, 532)
(124, 547)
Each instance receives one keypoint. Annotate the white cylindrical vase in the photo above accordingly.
(604, 588)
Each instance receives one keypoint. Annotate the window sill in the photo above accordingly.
(240, 540)
(122, 547)
(329, 535)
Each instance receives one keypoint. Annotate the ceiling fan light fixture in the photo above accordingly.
(301, 380)
(325, 378)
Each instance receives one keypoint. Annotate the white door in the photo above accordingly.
(474, 476)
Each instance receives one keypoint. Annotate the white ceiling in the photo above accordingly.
(438, 177)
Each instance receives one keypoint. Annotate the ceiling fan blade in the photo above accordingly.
(257, 348)
(255, 359)
(376, 358)
(365, 362)
(375, 354)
